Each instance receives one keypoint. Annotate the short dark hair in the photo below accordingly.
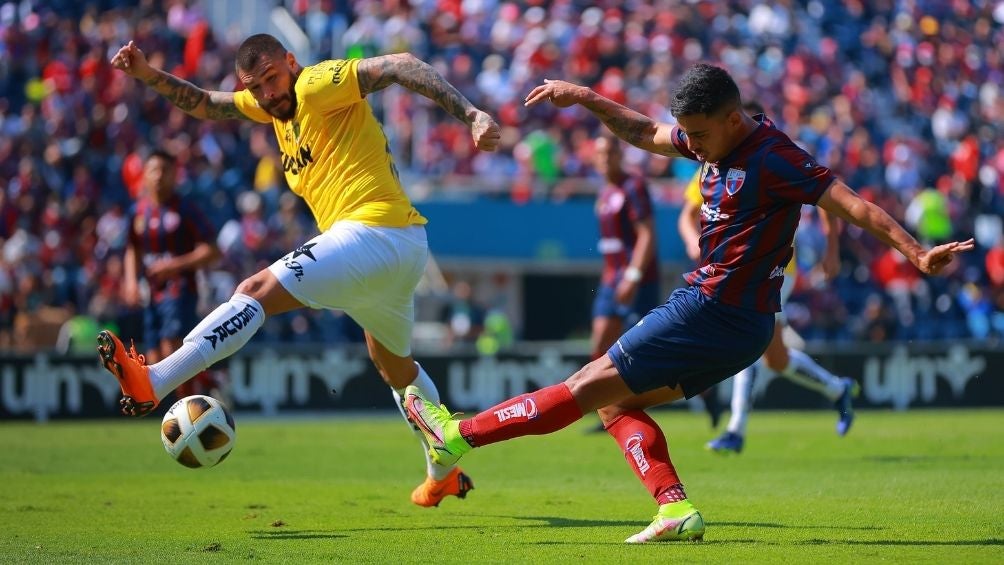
(162, 154)
(254, 47)
(705, 89)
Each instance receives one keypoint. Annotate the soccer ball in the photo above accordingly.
(198, 431)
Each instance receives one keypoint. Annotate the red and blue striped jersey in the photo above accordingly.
(752, 203)
(618, 208)
(168, 230)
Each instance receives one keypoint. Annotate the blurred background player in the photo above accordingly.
(372, 250)
(785, 361)
(170, 239)
(629, 284)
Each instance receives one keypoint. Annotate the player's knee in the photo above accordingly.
(254, 286)
(586, 378)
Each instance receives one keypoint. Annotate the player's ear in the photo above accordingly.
(734, 118)
(291, 60)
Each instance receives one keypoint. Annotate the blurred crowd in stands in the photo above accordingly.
(902, 98)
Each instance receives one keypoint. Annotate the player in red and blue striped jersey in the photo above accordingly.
(629, 284)
(755, 183)
(170, 239)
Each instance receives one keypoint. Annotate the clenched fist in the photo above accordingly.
(486, 132)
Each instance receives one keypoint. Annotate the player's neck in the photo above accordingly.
(746, 129)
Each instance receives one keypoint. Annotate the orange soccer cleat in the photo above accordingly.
(129, 367)
(432, 492)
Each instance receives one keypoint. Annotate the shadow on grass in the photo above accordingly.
(794, 527)
(991, 541)
(906, 542)
(294, 534)
(917, 458)
(556, 522)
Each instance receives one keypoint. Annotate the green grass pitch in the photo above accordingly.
(923, 486)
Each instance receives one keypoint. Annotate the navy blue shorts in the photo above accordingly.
(691, 341)
(605, 305)
(170, 318)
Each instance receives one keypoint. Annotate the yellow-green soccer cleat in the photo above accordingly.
(446, 445)
(689, 527)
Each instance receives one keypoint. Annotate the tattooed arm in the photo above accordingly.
(198, 102)
(376, 73)
(633, 127)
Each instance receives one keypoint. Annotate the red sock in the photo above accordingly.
(645, 449)
(536, 413)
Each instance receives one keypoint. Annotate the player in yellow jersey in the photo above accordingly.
(372, 249)
(779, 358)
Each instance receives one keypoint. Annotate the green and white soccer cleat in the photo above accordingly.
(446, 445)
(689, 527)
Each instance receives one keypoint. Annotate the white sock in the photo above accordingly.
(742, 396)
(806, 372)
(428, 388)
(218, 336)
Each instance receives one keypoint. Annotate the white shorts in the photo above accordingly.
(786, 288)
(369, 272)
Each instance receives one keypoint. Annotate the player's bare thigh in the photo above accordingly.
(397, 371)
(599, 385)
(265, 288)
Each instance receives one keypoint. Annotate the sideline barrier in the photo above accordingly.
(289, 380)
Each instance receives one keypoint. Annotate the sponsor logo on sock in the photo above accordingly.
(526, 408)
(633, 446)
(231, 326)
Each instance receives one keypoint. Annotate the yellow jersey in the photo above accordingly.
(334, 153)
(693, 195)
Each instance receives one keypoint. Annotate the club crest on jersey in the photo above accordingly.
(734, 180)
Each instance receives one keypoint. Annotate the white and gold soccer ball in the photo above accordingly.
(198, 431)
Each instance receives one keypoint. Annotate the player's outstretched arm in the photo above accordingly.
(195, 101)
(843, 202)
(376, 73)
(633, 127)
(831, 257)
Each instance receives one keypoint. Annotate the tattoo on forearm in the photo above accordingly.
(181, 93)
(633, 127)
(630, 126)
(415, 75)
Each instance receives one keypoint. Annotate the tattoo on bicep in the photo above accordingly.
(220, 106)
(415, 75)
(181, 93)
(374, 74)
